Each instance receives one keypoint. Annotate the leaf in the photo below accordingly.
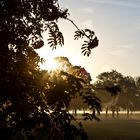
(83, 47)
(78, 34)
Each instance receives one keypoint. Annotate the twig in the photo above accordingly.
(77, 27)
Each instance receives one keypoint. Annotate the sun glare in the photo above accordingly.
(50, 64)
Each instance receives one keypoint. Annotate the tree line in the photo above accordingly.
(125, 93)
(127, 99)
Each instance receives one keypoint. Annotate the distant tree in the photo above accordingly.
(109, 82)
(137, 80)
(63, 63)
(77, 102)
(32, 101)
(84, 98)
(137, 95)
(128, 96)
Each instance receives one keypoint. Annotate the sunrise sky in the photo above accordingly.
(117, 25)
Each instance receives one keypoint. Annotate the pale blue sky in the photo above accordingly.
(117, 25)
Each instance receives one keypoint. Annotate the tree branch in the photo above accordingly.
(77, 27)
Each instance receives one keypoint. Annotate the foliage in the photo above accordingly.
(33, 102)
(108, 88)
(129, 91)
(85, 93)
(55, 36)
(115, 82)
(86, 97)
(88, 44)
(93, 102)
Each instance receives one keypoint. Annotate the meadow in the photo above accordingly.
(114, 128)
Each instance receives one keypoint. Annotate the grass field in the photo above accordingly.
(114, 129)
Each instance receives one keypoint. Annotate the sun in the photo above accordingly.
(50, 64)
(49, 55)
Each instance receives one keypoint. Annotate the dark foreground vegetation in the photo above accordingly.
(34, 102)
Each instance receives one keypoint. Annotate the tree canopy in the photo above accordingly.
(127, 86)
(33, 102)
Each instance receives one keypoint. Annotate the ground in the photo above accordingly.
(114, 129)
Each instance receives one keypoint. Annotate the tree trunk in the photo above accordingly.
(84, 111)
(113, 112)
(117, 112)
(106, 112)
(128, 110)
(75, 112)
(131, 111)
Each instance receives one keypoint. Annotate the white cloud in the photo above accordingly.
(106, 68)
(121, 50)
(87, 24)
(131, 4)
(88, 10)
(117, 52)
(127, 46)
